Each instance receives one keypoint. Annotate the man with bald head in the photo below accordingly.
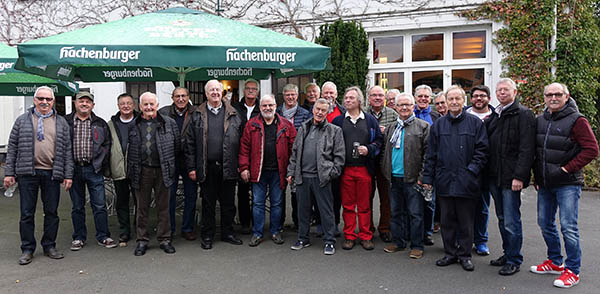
(565, 143)
(39, 158)
(386, 117)
(153, 142)
(212, 144)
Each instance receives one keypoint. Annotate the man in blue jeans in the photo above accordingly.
(39, 158)
(511, 135)
(91, 148)
(265, 149)
(565, 143)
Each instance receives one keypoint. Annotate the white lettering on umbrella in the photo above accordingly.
(146, 72)
(264, 56)
(122, 55)
(219, 72)
(6, 65)
(31, 89)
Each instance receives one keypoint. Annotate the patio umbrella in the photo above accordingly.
(17, 83)
(174, 44)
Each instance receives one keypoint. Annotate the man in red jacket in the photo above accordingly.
(265, 150)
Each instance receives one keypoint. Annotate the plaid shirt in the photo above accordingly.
(386, 117)
(82, 140)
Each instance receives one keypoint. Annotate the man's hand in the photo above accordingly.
(245, 175)
(9, 181)
(363, 150)
(517, 185)
(427, 187)
(192, 175)
(67, 184)
(289, 180)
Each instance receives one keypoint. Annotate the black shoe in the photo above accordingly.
(232, 239)
(445, 261)
(25, 258)
(206, 243)
(53, 253)
(501, 261)
(509, 269)
(386, 237)
(467, 265)
(428, 240)
(167, 247)
(140, 249)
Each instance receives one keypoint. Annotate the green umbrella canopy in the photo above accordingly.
(172, 44)
(17, 83)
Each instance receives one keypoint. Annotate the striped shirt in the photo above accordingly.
(385, 117)
(82, 140)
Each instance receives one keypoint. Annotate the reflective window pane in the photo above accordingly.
(428, 47)
(434, 79)
(388, 49)
(390, 80)
(467, 78)
(468, 45)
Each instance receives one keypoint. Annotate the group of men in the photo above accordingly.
(430, 168)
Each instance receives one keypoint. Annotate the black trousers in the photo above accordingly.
(457, 218)
(244, 198)
(152, 179)
(324, 200)
(123, 190)
(215, 188)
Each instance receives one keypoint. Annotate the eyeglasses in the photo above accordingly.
(479, 96)
(376, 95)
(251, 89)
(180, 96)
(423, 96)
(404, 105)
(557, 95)
(441, 102)
(268, 105)
(48, 99)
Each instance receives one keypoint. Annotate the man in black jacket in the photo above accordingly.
(511, 133)
(456, 155)
(180, 111)
(91, 153)
(153, 142)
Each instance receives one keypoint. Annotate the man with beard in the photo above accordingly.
(247, 108)
(265, 149)
(480, 99)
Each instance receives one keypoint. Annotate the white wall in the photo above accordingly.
(10, 108)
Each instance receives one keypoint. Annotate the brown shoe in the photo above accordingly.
(393, 248)
(190, 236)
(348, 244)
(416, 253)
(367, 244)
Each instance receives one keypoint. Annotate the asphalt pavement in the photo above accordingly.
(271, 268)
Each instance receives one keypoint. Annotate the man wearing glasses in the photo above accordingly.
(565, 143)
(180, 111)
(39, 158)
(247, 108)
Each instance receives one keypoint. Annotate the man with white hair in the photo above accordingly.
(390, 98)
(329, 92)
(39, 158)
(565, 144)
(265, 150)
(313, 92)
(153, 142)
(212, 144)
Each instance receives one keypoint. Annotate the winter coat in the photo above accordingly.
(456, 155)
(19, 159)
(416, 133)
(300, 117)
(252, 147)
(101, 141)
(118, 163)
(168, 142)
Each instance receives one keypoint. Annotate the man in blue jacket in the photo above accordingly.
(457, 152)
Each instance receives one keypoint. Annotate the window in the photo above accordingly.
(467, 45)
(467, 78)
(434, 79)
(196, 90)
(388, 49)
(300, 81)
(428, 47)
(390, 80)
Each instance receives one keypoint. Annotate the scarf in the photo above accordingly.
(397, 136)
(289, 113)
(40, 126)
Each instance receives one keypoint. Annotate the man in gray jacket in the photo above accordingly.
(323, 145)
(39, 158)
(405, 145)
(153, 142)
